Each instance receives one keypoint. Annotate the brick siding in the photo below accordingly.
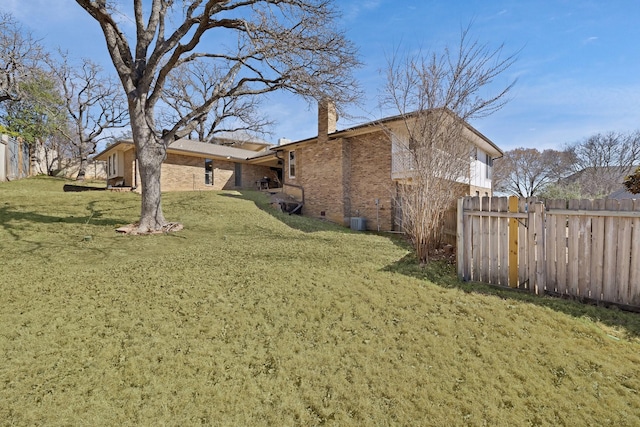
(186, 173)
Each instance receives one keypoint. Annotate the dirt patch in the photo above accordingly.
(132, 229)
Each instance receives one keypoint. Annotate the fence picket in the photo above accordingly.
(552, 258)
(634, 274)
(503, 222)
(573, 241)
(531, 246)
(561, 247)
(596, 267)
(475, 245)
(584, 249)
(485, 273)
(467, 238)
(494, 244)
(624, 251)
(540, 250)
(523, 277)
(610, 252)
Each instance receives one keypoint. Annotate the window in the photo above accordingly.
(489, 166)
(112, 170)
(208, 172)
(292, 164)
(238, 174)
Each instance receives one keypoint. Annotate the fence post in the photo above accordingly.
(460, 239)
(513, 243)
(537, 247)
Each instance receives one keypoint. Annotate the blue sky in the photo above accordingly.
(578, 67)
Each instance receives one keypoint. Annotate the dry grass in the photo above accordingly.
(251, 318)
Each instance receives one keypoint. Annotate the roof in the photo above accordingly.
(374, 126)
(239, 136)
(192, 147)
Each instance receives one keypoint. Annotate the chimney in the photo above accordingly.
(327, 118)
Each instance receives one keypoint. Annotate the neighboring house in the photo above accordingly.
(15, 158)
(194, 165)
(601, 182)
(4, 142)
(354, 172)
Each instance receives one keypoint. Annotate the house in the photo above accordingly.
(15, 158)
(354, 172)
(193, 165)
(601, 182)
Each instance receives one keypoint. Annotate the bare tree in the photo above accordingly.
(603, 161)
(57, 152)
(93, 102)
(525, 172)
(435, 95)
(260, 46)
(20, 55)
(192, 85)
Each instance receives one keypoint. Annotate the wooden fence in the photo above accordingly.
(584, 248)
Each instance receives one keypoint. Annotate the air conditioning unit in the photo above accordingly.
(358, 223)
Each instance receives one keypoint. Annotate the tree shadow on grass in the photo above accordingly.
(444, 274)
(9, 217)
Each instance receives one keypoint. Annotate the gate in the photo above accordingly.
(584, 248)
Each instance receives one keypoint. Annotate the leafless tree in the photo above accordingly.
(94, 103)
(258, 46)
(57, 153)
(20, 54)
(603, 161)
(191, 85)
(435, 95)
(525, 172)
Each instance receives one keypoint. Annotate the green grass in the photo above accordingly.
(249, 317)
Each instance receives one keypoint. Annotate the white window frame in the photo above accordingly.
(292, 162)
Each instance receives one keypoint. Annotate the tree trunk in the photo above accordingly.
(151, 216)
(151, 153)
(82, 168)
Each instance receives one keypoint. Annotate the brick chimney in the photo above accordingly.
(327, 119)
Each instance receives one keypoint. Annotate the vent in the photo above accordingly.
(358, 223)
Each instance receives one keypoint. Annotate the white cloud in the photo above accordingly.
(355, 8)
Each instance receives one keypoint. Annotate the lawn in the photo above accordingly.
(249, 317)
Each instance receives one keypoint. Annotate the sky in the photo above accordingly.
(577, 71)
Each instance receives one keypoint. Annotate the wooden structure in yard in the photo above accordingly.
(583, 248)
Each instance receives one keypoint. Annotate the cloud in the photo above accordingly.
(356, 8)
(590, 40)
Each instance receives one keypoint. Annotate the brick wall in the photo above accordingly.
(370, 179)
(343, 178)
(319, 171)
(187, 173)
(253, 173)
